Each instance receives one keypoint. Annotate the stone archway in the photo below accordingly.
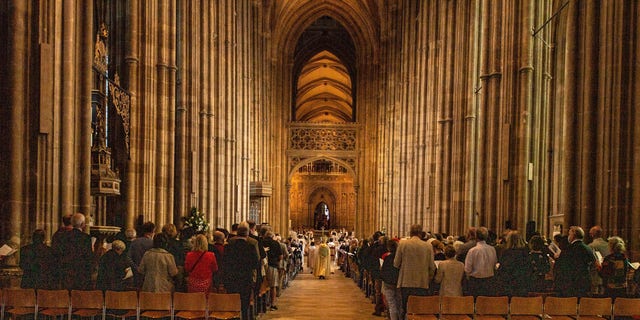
(321, 180)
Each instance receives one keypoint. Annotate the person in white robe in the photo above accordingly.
(312, 252)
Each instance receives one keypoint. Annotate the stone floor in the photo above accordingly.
(336, 297)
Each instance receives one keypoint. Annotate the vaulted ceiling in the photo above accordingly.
(324, 91)
(324, 72)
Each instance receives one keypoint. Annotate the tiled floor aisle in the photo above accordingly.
(337, 297)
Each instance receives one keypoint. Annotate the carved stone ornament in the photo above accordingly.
(100, 50)
(122, 102)
(330, 139)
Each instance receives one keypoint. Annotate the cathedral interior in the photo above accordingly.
(357, 114)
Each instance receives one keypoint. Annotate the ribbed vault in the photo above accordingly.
(323, 92)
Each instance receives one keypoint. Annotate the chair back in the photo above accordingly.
(423, 305)
(226, 302)
(193, 301)
(91, 299)
(158, 301)
(557, 306)
(492, 305)
(457, 305)
(52, 298)
(526, 306)
(626, 307)
(121, 300)
(595, 307)
(19, 297)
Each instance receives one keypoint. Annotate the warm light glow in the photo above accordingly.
(324, 91)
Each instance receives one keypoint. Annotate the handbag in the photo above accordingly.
(186, 272)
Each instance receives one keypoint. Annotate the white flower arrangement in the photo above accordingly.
(195, 219)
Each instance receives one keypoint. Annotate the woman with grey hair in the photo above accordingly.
(615, 268)
(113, 268)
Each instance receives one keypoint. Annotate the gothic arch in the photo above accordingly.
(296, 16)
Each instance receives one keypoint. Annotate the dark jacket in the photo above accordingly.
(112, 270)
(388, 273)
(572, 270)
(37, 262)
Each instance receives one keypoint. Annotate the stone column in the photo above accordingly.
(85, 61)
(131, 71)
(14, 203)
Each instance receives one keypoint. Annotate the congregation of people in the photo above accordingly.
(390, 269)
(251, 259)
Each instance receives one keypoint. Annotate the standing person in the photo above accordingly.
(158, 266)
(414, 258)
(200, 264)
(378, 248)
(615, 268)
(58, 241)
(540, 264)
(573, 266)
(59, 237)
(312, 252)
(78, 260)
(463, 249)
(177, 249)
(139, 247)
(323, 261)
(514, 275)
(600, 248)
(450, 274)
(37, 261)
(479, 265)
(218, 250)
(241, 260)
(389, 276)
(113, 268)
(274, 258)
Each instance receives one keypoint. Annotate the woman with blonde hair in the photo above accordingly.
(200, 264)
(615, 268)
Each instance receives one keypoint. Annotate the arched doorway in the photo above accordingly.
(322, 194)
(321, 216)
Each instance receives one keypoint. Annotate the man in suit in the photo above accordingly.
(573, 265)
(77, 259)
(414, 258)
(238, 267)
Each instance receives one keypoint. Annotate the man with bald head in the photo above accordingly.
(76, 257)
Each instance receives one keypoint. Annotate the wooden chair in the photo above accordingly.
(525, 308)
(423, 307)
(492, 308)
(456, 308)
(561, 308)
(626, 307)
(155, 305)
(224, 306)
(19, 302)
(190, 305)
(53, 303)
(87, 304)
(594, 309)
(121, 304)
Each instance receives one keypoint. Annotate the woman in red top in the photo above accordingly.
(200, 265)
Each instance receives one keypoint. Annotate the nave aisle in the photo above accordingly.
(337, 297)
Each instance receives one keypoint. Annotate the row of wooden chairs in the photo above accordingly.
(519, 308)
(118, 304)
